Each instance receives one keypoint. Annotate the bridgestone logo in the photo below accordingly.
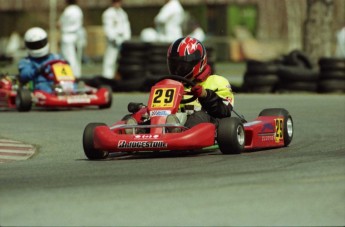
(141, 144)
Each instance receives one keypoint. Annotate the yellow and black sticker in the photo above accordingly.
(279, 135)
(63, 72)
(163, 97)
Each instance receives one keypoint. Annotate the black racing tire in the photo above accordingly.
(308, 86)
(23, 100)
(230, 135)
(110, 97)
(331, 64)
(297, 73)
(129, 46)
(288, 130)
(132, 61)
(130, 69)
(211, 54)
(159, 48)
(333, 74)
(262, 89)
(331, 86)
(136, 84)
(159, 68)
(260, 80)
(139, 54)
(158, 59)
(261, 68)
(298, 58)
(90, 151)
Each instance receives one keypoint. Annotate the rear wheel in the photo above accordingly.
(231, 135)
(23, 100)
(90, 151)
(287, 124)
(109, 97)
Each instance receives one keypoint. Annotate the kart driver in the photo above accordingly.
(187, 58)
(31, 68)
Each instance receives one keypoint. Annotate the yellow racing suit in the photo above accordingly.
(219, 100)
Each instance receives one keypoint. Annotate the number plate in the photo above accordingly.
(279, 134)
(163, 97)
(63, 72)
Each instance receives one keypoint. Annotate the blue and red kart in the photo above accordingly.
(149, 128)
(66, 92)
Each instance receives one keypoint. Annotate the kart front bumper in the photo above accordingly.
(200, 136)
(44, 99)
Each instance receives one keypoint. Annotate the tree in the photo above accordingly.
(318, 33)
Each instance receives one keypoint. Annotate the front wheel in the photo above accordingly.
(231, 135)
(287, 122)
(23, 100)
(90, 151)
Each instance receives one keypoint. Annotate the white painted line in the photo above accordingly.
(31, 151)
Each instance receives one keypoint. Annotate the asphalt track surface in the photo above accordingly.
(303, 184)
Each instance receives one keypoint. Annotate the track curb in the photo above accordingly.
(12, 150)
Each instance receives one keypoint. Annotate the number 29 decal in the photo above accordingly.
(163, 97)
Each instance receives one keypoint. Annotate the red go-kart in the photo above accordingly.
(67, 92)
(8, 91)
(154, 127)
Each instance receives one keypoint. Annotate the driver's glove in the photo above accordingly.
(199, 91)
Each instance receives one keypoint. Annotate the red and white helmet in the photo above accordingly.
(36, 42)
(187, 58)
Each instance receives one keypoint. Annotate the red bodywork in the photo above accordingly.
(7, 93)
(264, 132)
(92, 98)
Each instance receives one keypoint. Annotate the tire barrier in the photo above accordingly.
(5, 60)
(297, 79)
(141, 64)
(295, 73)
(332, 75)
(260, 77)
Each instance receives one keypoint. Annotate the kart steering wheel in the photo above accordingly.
(184, 80)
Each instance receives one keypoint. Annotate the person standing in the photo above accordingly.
(340, 51)
(117, 30)
(73, 35)
(169, 21)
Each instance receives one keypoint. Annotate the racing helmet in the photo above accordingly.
(186, 57)
(36, 42)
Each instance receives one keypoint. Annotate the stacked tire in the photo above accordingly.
(211, 58)
(296, 74)
(132, 66)
(332, 75)
(157, 63)
(260, 77)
